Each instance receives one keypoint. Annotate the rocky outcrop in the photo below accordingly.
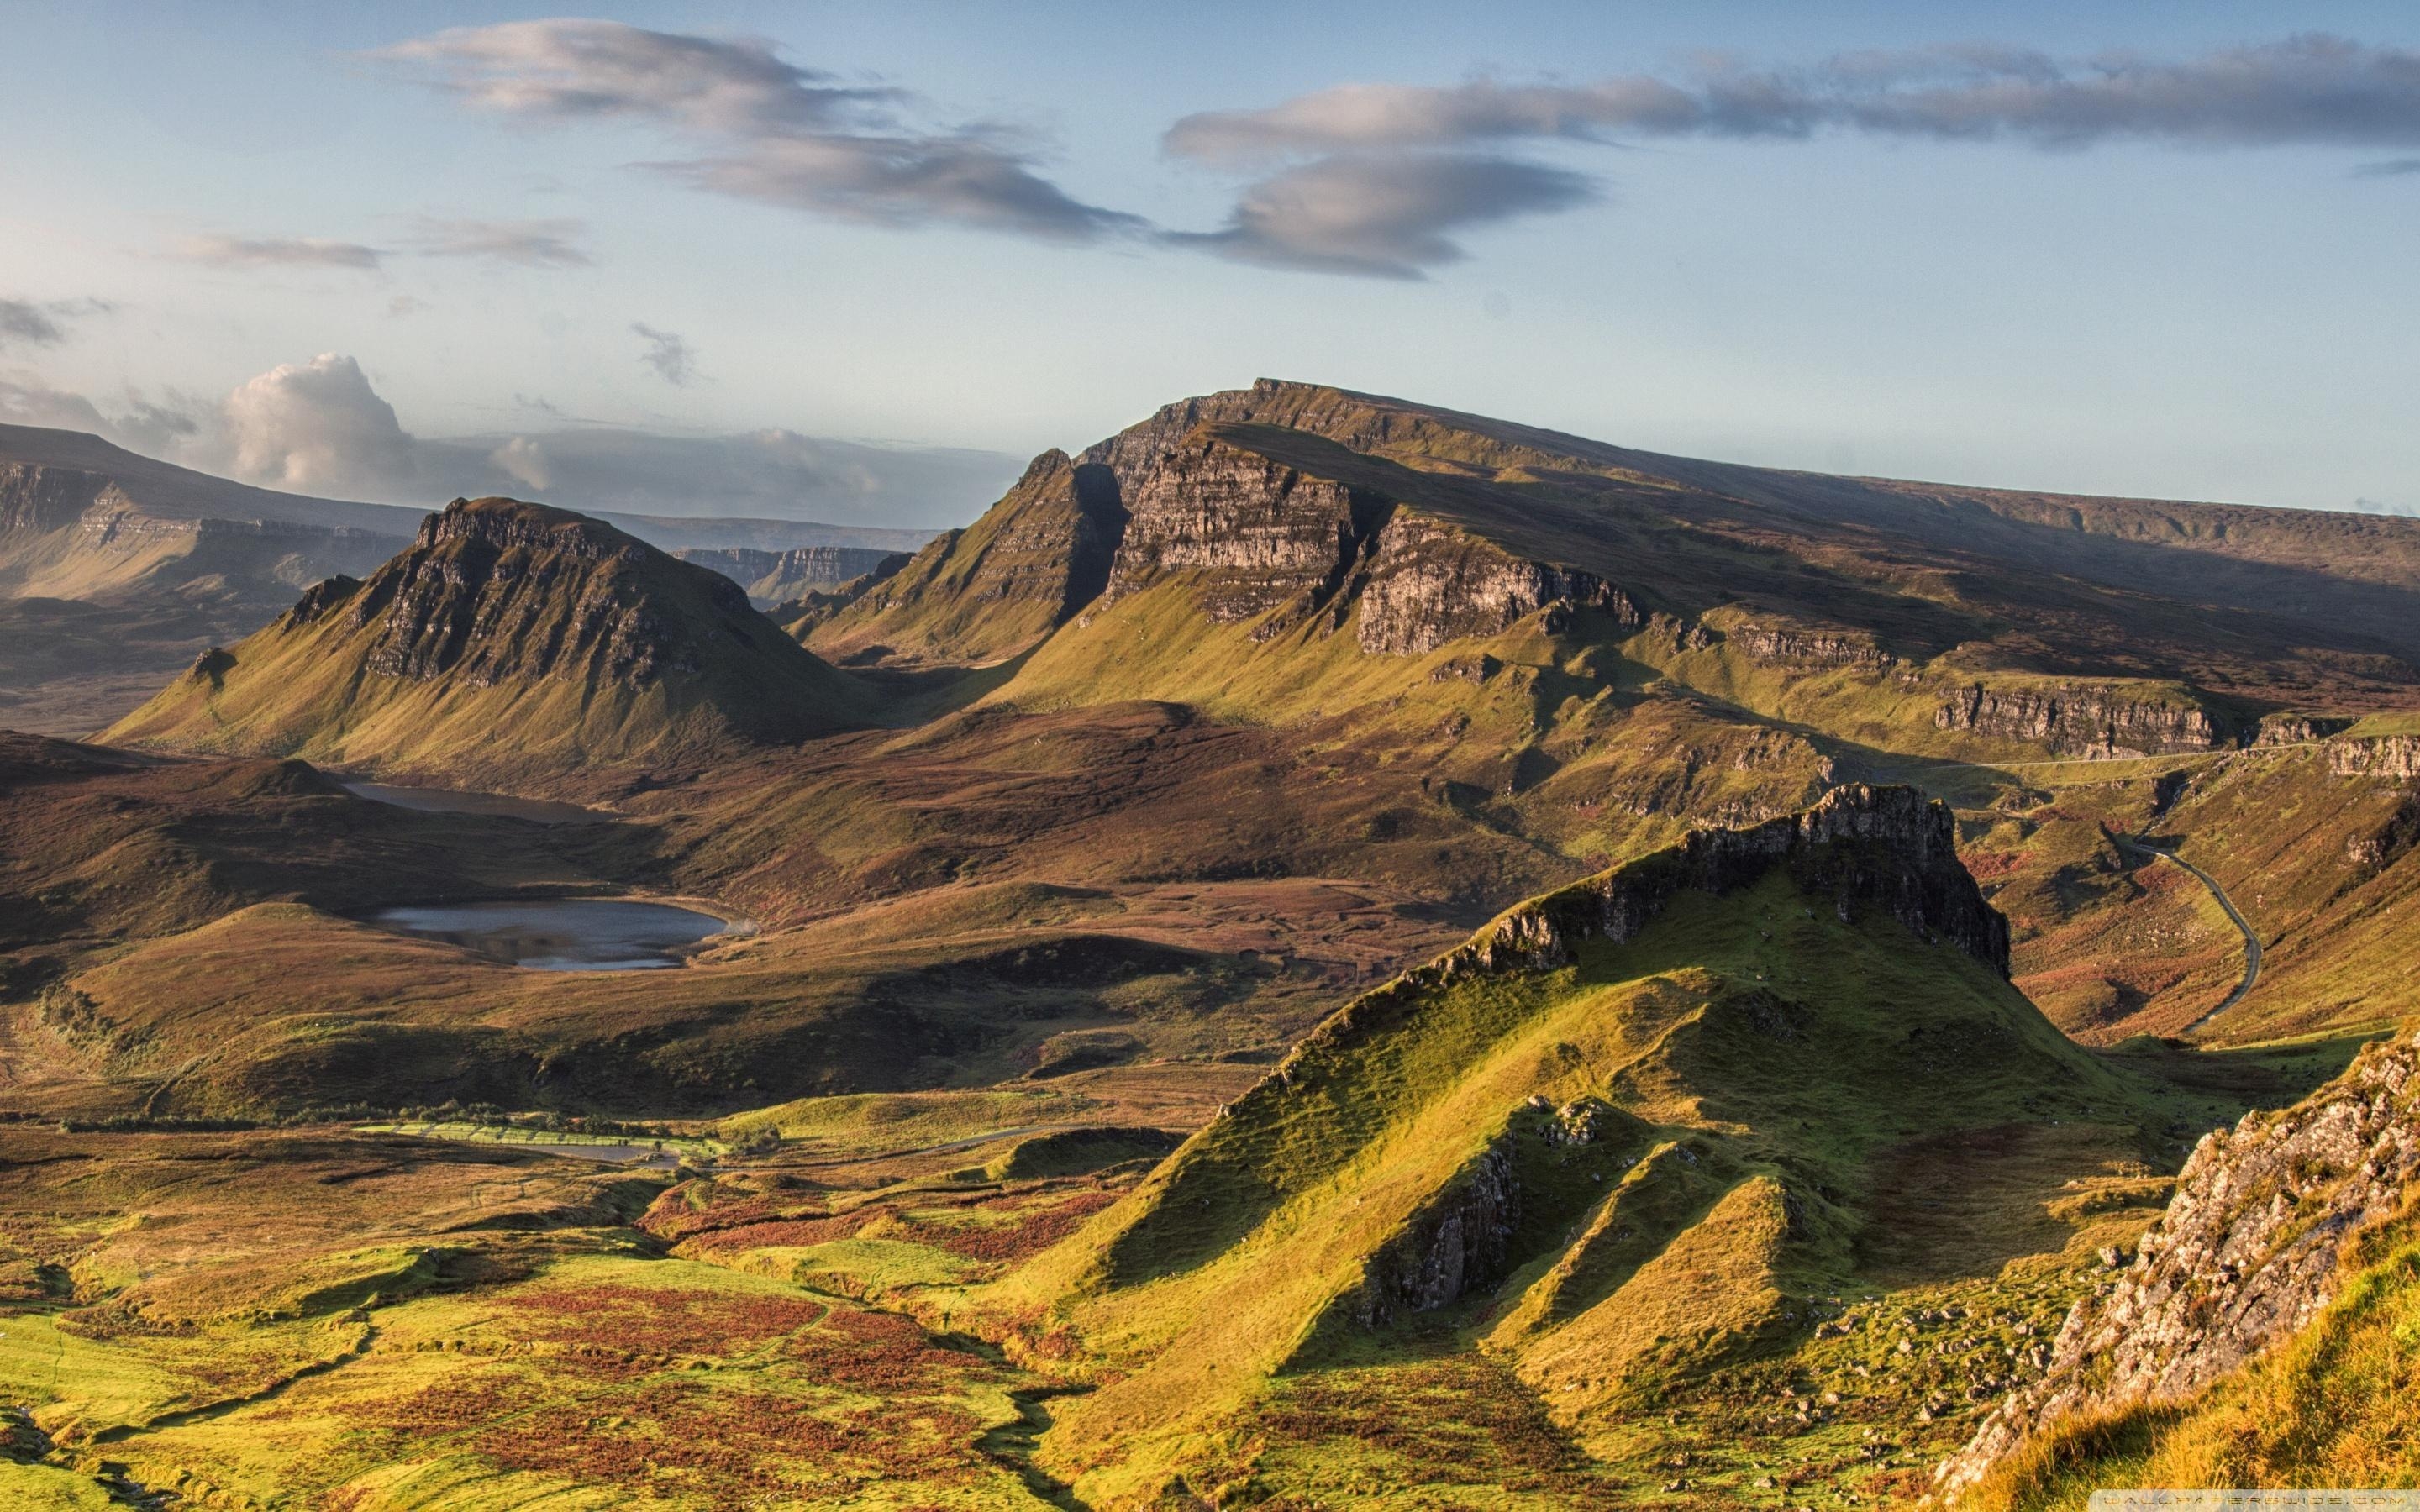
(2080, 719)
(2395, 756)
(1429, 583)
(2246, 1255)
(1785, 646)
(2297, 729)
(1258, 534)
(321, 597)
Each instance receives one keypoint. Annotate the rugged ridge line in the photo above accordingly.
(1263, 533)
(1890, 846)
(1887, 846)
(2247, 1254)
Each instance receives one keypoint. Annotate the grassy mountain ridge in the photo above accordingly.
(511, 638)
(1627, 1136)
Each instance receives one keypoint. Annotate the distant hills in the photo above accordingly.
(117, 569)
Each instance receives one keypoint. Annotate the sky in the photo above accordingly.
(857, 262)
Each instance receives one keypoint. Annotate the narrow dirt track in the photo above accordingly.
(2235, 915)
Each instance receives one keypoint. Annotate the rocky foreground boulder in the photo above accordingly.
(2248, 1254)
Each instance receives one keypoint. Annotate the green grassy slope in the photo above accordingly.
(987, 592)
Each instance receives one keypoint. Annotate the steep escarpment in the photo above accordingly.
(510, 638)
(1251, 532)
(1782, 645)
(1579, 1145)
(2252, 1250)
(83, 519)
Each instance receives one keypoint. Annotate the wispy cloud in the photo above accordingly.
(672, 357)
(548, 243)
(761, 128)
(2392, 168)
(279, 252)
(1370, 177)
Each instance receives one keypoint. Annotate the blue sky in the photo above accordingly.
(395, 252)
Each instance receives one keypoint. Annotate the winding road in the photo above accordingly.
(2235, 915)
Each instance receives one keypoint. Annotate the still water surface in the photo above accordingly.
(570, 934)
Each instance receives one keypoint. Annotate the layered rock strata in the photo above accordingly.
(2073, 720)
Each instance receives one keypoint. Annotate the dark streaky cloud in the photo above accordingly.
(1369, 178)
(26, 323)
(770, 131)
(22, 323)
(279, 252)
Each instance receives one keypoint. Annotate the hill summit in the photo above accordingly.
(508, 637)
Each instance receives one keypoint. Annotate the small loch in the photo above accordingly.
(566, 934)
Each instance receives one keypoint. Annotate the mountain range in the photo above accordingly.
(1325, 950)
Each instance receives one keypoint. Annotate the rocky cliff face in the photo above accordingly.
(2246, 1255)
(2297, 729)
(1886, 847)
(496, 590)
(2078, 719)
(1780, 646)
(1256, 531)
(1453, 1247)
(2394, 756)
(38, 497)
